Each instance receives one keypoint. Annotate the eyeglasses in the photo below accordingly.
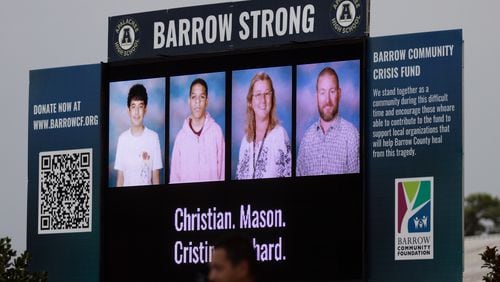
(261, 95)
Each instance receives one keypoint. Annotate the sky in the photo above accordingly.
(56, 33)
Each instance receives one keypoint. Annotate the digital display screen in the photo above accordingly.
(267, 143)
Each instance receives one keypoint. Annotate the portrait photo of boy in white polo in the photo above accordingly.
(138, 157)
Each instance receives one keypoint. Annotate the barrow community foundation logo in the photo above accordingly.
(127, 37)
(345, 15)
(414, 218)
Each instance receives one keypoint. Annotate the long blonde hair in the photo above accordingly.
(273, 116)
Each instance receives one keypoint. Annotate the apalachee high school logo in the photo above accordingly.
(345, 15)
(127, 35)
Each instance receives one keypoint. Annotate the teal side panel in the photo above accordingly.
(64, 172)
(414, 120)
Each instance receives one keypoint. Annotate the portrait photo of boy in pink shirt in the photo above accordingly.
(198, 151)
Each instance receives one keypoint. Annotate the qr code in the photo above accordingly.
(65, 191)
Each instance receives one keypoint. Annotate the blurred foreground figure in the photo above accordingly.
(233, 260)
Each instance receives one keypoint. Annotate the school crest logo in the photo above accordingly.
(414, 218)
(127, 37)
(345, 15)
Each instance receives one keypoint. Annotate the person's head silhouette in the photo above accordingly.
(233, 260)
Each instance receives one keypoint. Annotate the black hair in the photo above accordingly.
(199, 81)
(239, 248)
(137, 93)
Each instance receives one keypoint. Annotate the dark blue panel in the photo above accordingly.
(64, 115)
(233, 26)
(415, 131)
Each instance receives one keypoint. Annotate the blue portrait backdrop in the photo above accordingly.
(307, 105)
(179, 97)
(119, 119)
(282, 83)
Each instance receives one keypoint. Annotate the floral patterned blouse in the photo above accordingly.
(269, 158)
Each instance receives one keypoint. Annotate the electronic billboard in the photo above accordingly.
(265, 142)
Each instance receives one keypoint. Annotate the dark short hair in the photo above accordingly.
(198, 81)
(238, 248)
(328, 71)
(137, 93)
